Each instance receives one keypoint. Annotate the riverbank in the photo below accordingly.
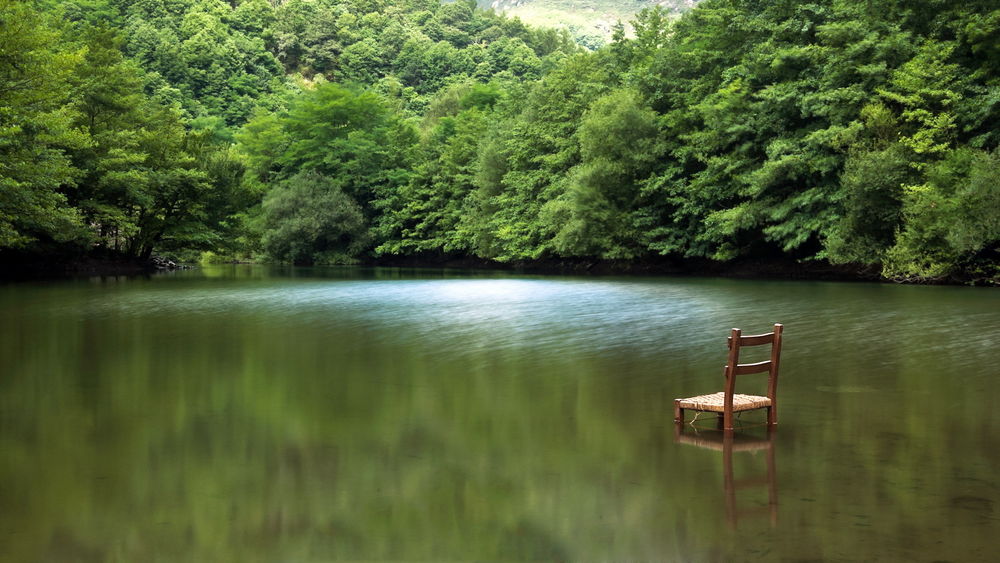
(27, 267)
(658, 266)
(32, 267)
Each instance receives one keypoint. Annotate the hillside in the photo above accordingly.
(590, 22)
(338, 131)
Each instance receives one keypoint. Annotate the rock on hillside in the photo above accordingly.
(589, 21)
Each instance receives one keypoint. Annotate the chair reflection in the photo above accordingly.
(728, 443)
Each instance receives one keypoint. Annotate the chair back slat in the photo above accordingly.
(752, 340)
(756, 367)
(757, 339)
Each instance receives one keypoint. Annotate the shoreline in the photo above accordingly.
(21, 268)
(739, 269)
(70, 267)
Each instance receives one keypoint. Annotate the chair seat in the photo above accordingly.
(716, 402)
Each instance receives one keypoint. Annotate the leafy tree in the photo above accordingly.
(289, 33)
(341, 133)
(36, 129)
(951, 219)
(529, 160)
(208, 50)
(428, 214)
(110, 109)
(143, 185)
(620, 146)
(308, 219)
(348, 136)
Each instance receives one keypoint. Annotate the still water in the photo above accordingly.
(253, 414)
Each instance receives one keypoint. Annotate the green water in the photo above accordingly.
(247, 414)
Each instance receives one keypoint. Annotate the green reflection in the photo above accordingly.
(252, 414)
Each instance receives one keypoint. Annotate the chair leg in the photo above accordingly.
(678, 413)
(772, 415)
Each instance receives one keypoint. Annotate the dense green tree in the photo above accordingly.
(289, 33)
(429, 213)
(345, 134)
(793, 128)
(952, 220)
(309, 219)
(36, 128)
(210, 51)
(111, 110)
(872, 184)
(95, 162)
(348, 136)
(525, 165)
(600, 212)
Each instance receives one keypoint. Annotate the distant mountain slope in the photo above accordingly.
(589, 21)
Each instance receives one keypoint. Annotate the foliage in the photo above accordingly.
(35, 129)
(212, 53)
(353, 142)
(309, 219)
(858, 133)
(619, 147)
(951, 218)
(91, 160)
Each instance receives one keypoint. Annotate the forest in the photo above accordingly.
(861, 134)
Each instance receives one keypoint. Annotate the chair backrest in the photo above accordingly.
(734, 367)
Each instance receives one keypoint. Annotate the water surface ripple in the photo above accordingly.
(247, 413)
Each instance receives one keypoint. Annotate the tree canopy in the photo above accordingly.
(345, 130)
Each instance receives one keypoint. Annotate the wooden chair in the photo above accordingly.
(726, 402)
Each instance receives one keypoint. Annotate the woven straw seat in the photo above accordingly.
(716, 402)
(726, 402)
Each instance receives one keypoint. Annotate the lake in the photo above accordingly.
(238, 413)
